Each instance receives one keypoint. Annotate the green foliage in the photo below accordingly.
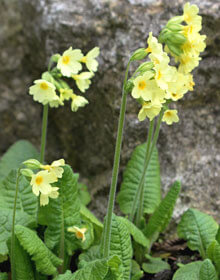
(46, 262)
(135, 232)
(23, 265)
(66, 276)
(136, 272)
(93, 253)
(154, 265)
(213, 253)
(26, 201)
(84, 195)
(199, 229)
(207, 271)
(15, 155)
(121, 245)
(62, 213)
(131, 179)
(189, 271)
(218, 235)
(162, 215)
(3, 276)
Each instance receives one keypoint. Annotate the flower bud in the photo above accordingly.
(32, 163)
(26, 172)
(177, 19)
(47, 77)
(144, 67)
(174, 49)
(139, 54)
(177, 38)
(128, 86)
(55, 57)
(174, 27)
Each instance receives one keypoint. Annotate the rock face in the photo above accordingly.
(189, 151)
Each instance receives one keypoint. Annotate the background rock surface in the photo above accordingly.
(32, 30)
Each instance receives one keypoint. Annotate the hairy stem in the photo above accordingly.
(13, 228)
(44, 133)
(137, 194)
(141, 186)
(108, 221)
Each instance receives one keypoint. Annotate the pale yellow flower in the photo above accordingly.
(189, 82)
(190, 15)
(55, 167)
(44, 198)
(69, 63)
(56, 102)
(164, 74)
(41, 182)
(188, 63)
(83, 80)
(178, 88)
(149, 110)
(194, 45)
(43, 91)
(90, 61)
(141, 87)
(79, 232)
(78, 101)
(66, 94)
(170, 116)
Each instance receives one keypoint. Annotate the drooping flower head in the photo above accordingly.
(79, 232)
(90, 59)
(55, 167)
(170, 116)
(44, 198)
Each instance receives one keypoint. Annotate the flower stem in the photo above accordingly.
(44, 133)
(141, 186)
(137, 194)
(13, 228)
(108, 221)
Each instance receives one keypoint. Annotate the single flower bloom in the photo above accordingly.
(164, 74)
(90, 61)
(190, 16)
(149, 110)
(83, 80)
(43, 91)
(78, 101)
(55, 167)
(189, 82)
(56, 102)
(66, 94)
(69, 63)
(178, 88)
(44, 198)
(79, 232)
(170, 116)
(141, 87)
(194, 45)
(188, 63)
(41, 182)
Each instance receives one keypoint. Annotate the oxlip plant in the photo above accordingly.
(46, 229)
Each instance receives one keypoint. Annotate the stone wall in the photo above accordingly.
(32, 30)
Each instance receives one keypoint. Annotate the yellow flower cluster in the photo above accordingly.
(53, 90)
(158, 85)
(42, 180)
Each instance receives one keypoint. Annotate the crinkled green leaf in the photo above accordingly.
(136, 272)
(120, 245)
(84, 195)
(88, 215)
(6, 215)
(23, 265)
(207, 271)
(131, 179)
(63, 212)
(26, 200)
(66, 276)
(135, 232)
(213, 253)
(162, 215)
(46, 262)
(188, 272)
(3, 276)
(92, 254)
(115, 271)
(15, 155)
(218, 235)
(154, 265)
(199, 229)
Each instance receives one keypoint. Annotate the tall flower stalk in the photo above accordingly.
(111, 201)
(44, 133)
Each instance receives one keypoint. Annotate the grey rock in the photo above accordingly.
(190, 150)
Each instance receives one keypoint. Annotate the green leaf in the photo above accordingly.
(84, 195)
(199, 229)
(135, 232)
(131, 179)
(136, 272)
(6, 225)
(3, 276)
(213, 253)
(3, 258)
(66, 276)
(15, 155)
(89, 216)
(155, 265)
(162, 215)
(115, 271)
(63, 212)
(121, 245)
(218, 235)
(26, 201)
(188, 272)
(93, 253)
(23, 265)
(207, 271)
(46, 262)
